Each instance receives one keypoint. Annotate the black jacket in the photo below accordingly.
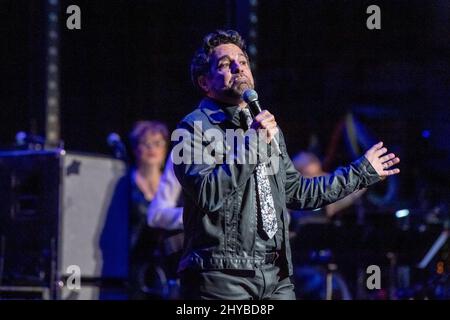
(219, 216)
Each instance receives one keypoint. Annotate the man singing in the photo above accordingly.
(235, 214)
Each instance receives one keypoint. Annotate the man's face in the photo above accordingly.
(229, 74)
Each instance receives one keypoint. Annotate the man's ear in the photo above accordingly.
(203, 83)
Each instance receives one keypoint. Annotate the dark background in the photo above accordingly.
(316, 61)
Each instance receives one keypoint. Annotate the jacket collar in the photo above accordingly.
(218, 113)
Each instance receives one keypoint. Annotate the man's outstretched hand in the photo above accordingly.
(380, 162)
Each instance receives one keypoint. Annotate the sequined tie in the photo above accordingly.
(264, 191)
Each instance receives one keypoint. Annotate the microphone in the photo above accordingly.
(251, 98)
(117, 146)
(21, 138)
(29, 141)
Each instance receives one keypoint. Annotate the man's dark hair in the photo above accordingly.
(201, 61)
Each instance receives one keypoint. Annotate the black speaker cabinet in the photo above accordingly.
(60, 211)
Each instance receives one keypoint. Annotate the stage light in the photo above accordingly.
(53, 51)
(52, 101)
(52, 68)
(52, 74)
(52, 85)
(52, 119)
(402, 213)
(252, 50)
(426, 134)
(53, 35)
(53, 17)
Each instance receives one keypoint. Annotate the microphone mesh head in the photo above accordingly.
(113, 138)
(250, 95)
(21, 138)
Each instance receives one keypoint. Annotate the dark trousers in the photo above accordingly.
(265, 283)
